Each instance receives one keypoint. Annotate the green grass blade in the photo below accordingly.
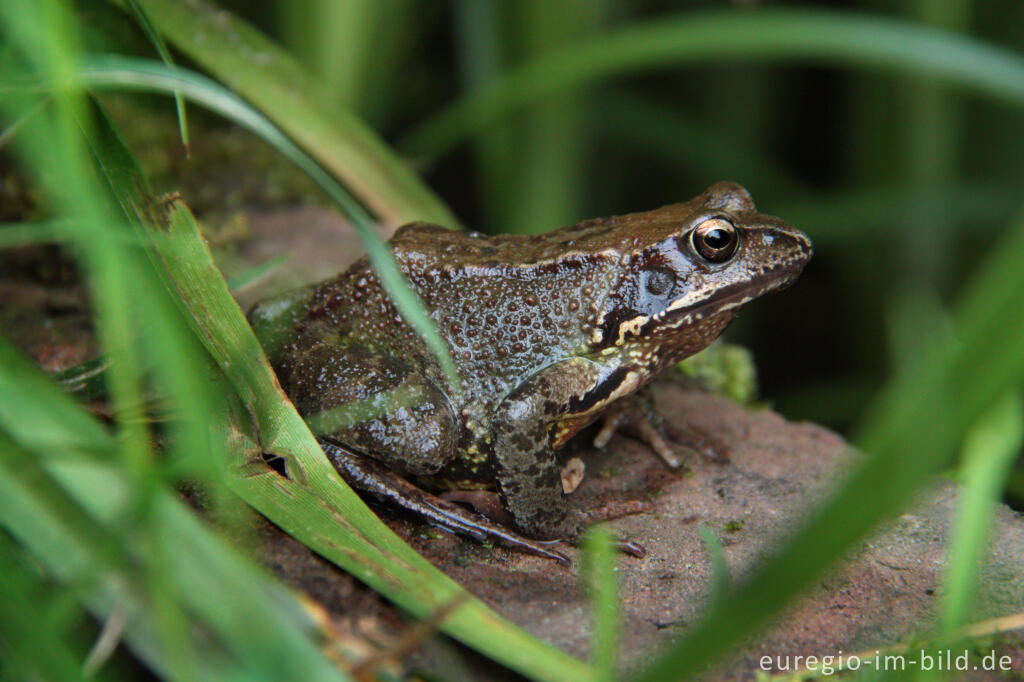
(165, 55)
(911, 432)
(719, 569)
(120, 72)
(33, 637)
(598, 567)
(35, 414)
(990, 449)
(23, 234)
(252, 275)
(259, 70)
(863, 214)
(821, 37)
(712, 153)
(71, 512)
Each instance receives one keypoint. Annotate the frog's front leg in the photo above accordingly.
(532, 422)
(636, 416)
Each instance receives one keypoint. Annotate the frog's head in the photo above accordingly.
(692, 265)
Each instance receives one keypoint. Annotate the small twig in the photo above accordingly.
(106, 643)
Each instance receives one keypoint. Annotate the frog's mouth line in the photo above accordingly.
(723, 300)
(729, 298)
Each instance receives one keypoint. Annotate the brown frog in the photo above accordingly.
(547, 333)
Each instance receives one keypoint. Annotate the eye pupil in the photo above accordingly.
(715, 240)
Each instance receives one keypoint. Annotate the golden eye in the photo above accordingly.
(715, 240)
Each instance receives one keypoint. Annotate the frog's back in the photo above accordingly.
(507, 306)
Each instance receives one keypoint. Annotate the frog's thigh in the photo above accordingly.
(526, 469)
(377, 405)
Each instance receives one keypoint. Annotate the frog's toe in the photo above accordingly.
(637, 418)
(631, 548)
(698, 440)
(654, 437)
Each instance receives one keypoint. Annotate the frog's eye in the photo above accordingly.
(659, 282)
(715, 239)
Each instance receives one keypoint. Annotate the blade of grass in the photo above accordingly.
(28, 626)
(165, 56)
(481, 41)
(598, 568)
(822, 37)
(990, 448)
(70, 511)
(257, 272)
(719, 569)
(259, 70)
(707, 152)
(869, 213)
(24, 234)
(910, 433)
(354, 48)
(544, 183)
(121, 72)
(41, 38)
(43, 43)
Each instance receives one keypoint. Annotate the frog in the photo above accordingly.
(547, 333)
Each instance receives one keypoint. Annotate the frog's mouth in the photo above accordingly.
(723, 300)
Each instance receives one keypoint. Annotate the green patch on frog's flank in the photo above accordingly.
(734, 526)
(349, 415)
(726, 369)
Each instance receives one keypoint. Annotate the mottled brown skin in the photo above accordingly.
(546, 333)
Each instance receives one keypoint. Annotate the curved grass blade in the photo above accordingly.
(990, 449)
(69, 508)
(707, 152)
(111, 71)
(165, 56)
(257, 68)
(821, 37)
(598, 566)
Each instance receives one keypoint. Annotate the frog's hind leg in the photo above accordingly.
(370, 476)
(376, 404)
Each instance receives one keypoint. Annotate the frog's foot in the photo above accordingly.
(636, 417)
(489, 504)
(615, 510)
(486, 502)
(370, 476)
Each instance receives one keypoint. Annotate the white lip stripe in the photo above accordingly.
(634, 325)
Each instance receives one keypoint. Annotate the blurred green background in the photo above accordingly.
(901, 181)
